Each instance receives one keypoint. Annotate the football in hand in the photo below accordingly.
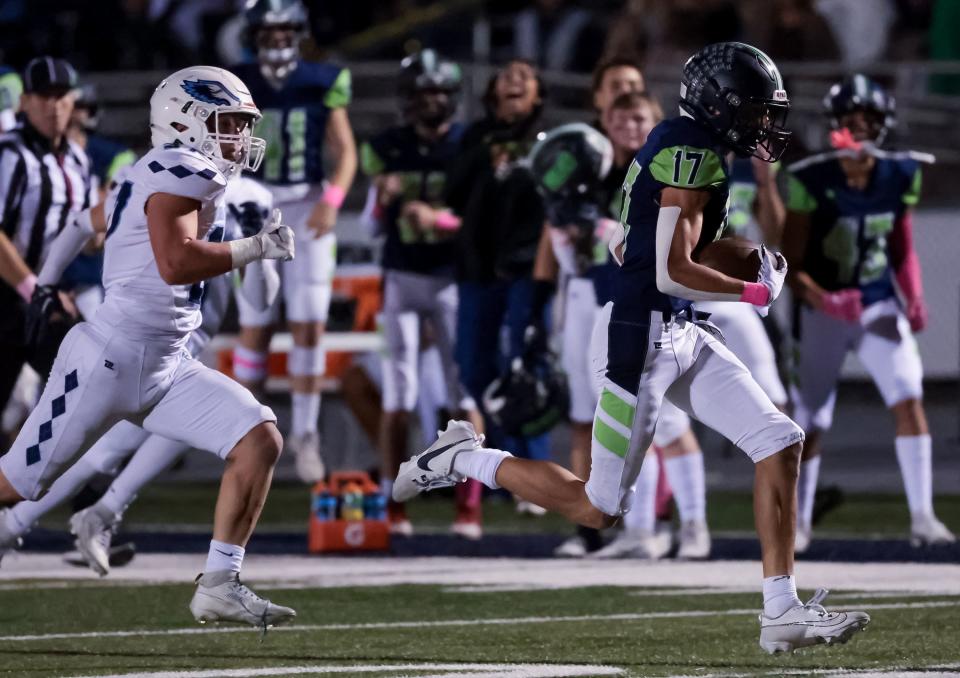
(736, 257)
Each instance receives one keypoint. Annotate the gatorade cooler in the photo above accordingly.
(348, 513)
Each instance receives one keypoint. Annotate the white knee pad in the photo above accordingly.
(249, 365)
(775, 432)
(307, 361)
(248, 316)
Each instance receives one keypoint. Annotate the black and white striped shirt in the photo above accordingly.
(39, 188)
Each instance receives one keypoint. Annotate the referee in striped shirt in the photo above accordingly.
(43, 179)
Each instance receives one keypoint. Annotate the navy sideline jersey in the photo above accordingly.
(295, 118)
(422, 169)
(849, 228)
(679, 152)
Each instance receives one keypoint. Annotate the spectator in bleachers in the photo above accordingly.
(612, 78)
(502, 216)
(557, 35)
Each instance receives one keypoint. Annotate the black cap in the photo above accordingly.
(45, 74)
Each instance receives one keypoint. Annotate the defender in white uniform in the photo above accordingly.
(163, 241)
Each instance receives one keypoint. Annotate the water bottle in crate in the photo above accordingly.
(360, 525)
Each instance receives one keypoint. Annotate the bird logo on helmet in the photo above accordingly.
(858, 93)
(209, 110)
(737, 92)
(422, 74)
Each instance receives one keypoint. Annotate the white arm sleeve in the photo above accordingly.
(666, 227)
(66, 247)
(261, 283)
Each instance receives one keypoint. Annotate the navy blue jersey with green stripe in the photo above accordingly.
(680, 153)
(849, 227)
(421, 167)
(295, 118)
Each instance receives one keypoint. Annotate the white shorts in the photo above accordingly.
(744, 334)
(683, 363)
(580, 315)
(883, 343)
(99, 378)
(672, 423)
(307, 280)
(408, 300)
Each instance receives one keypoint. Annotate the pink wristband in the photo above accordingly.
(26, 286)
(333, 195)
(447, 221)
(755, 293)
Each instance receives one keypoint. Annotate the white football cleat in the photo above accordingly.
(93, 528)
(9, 540)
(694, 541)
(801, 539)
(928, 531)
(306, 456)
(221, 597)
(809, 624)
(470, 530)
(401, 528)
(528, 508)
(433, 467)
(574, 547)
(640, 544)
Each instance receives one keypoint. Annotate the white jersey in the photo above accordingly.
(138, 301)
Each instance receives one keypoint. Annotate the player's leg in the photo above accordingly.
(441, 323)
(94, 381)
(209, 411)
(889, 352)
(820, 346)
(401, 330)
(683, 465)
(252, 351)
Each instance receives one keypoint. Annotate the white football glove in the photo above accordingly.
(274, 241)
(773, 272)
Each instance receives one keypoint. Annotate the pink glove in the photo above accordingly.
(843, 305)
(917, 314)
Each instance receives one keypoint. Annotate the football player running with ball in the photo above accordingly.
(849, 237)
(163, 241)
(304, 113)
(676, 190)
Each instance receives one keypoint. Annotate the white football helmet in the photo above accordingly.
(188, 109)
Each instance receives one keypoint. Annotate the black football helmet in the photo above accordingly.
(569, 164)
(737, 91)
(88, 100)
(860, 93)
(530, 398)
(261, 15)
(425, 72)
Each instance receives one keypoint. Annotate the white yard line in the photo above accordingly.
(449, 671)
(293, 572)
(498, 621)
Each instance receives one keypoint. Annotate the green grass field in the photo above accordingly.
(644, 635)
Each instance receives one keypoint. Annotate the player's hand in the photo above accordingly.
(389, 188)
(845, 305)
(276, 240)
(420, 214)
(917, 314)
(773, 271)
(763, 171)
(322, 219)
(44, 306)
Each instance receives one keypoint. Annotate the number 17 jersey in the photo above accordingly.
(679, 153)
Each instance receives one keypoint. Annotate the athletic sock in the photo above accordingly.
(481, 464)
(306, 413)
(807, 490)
(914, 454)
(224, 557)
(22, 517)
(779, 595)
(686, 476)
(642, 516)
(248, 365)
(154, 457)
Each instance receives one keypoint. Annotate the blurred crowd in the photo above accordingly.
(567, 35)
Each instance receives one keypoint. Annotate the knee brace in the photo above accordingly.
(249, 365)
(306, 361)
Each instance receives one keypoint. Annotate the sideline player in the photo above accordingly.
(849, 230)
(248, 208)
(129, 363)
(407, 165)
(732, 98)
(304, 112)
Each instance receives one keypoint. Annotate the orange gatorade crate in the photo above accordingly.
(348, 513)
